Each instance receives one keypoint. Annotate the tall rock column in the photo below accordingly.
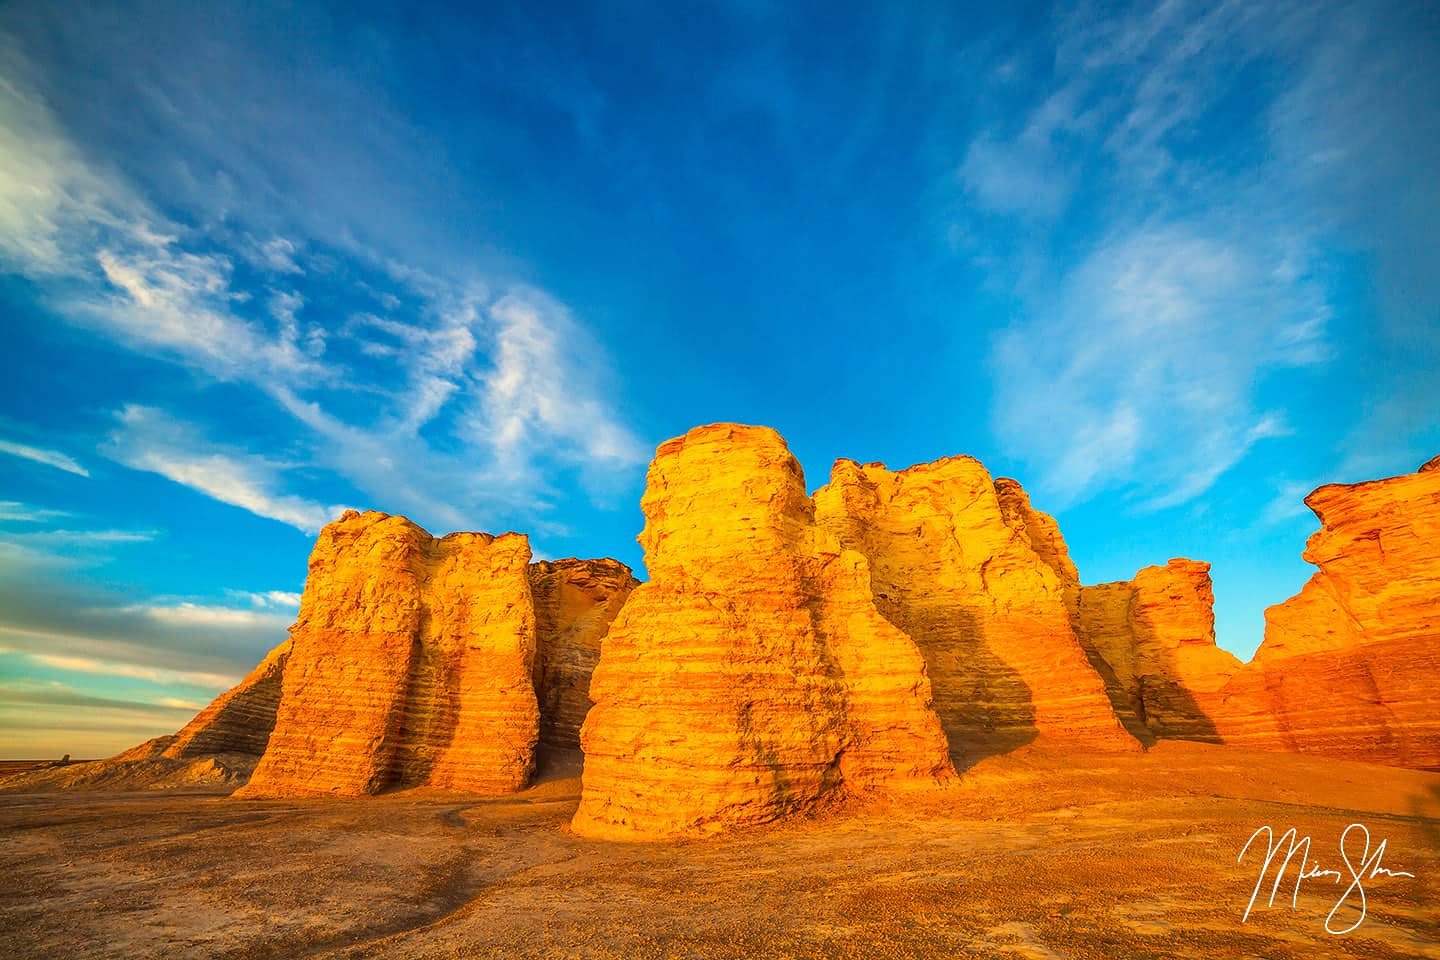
(975, 587)
(751, 675)
(410, 664)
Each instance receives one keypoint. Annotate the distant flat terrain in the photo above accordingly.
(8, 767)
(1031, 856)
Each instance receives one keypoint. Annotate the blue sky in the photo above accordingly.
(1169, 266)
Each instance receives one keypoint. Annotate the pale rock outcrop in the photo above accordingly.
(575, 601)
(983, 583)
(219, 747)
(752, 676)
(410, 665)
(1156, 635)
(240, 720)
(1350, 666)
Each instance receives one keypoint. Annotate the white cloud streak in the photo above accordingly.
(132, 671)
(50, 458)
(206, 615)
(17, 512)
(275, 599)
(1144, 372)
(149, 439)
(539, 388)
(460, 364)
(1138, 363)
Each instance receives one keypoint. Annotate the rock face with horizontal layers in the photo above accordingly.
(1350, 666)
(965, 566)
(220, 746)
(575, 601)
(752, 677)
(240, 720)
(417, 665)
(1156, 635)
(410, 665)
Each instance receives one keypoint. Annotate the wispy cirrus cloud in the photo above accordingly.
(1142, 371)
(55, 693)
(60, 549)
(540, 392)
(149, 439)
(12, 641)
(447, 362)
(188, 614)
(16, 512)
(163, 641)
(1143, 345)
(50, 458)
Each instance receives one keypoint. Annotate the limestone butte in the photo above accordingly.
(575, 601)
(1350, 665)
(963, 564)
(752, 676)
(221, 745)
(238, 721)
(1156, 636)
(410, 665)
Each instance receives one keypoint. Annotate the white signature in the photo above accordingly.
(1291, 843)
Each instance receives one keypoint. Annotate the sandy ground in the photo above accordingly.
(1032, 857)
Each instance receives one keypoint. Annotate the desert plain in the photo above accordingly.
(1028, 855)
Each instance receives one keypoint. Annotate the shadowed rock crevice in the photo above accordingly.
(575, 602)
(1156, 636)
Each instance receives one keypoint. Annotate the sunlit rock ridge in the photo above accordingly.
(792, 653)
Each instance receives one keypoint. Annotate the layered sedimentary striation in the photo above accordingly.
(575, 602)
(1155, 635)
(752, 676)
(240, 720)
(984, 585)
(415, 661)
(791, 651)
(411, 664)
(1349, 666)
(220, 746)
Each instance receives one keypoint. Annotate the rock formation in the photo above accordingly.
(1350, 666)
(410, 665)
(238, 721)
(985, 586)
(415, 661)
(575, 600)
(752, 676)
(1156, 637)
(789, 652)
(220, 746)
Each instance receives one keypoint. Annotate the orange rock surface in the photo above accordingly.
(1156, 635)
(221, 745)
(752, 676)
(238, 721)
(410, 664)
(575, 601)
(985, 586)
(1350, 666)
